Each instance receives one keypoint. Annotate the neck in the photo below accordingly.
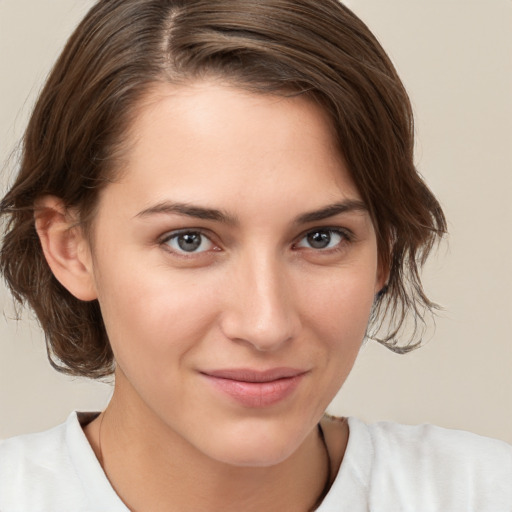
(170, 472)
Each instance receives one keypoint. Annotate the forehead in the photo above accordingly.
(213, 142)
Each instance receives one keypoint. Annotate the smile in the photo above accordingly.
(252, 388)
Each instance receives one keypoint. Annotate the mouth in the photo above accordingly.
(254, 388)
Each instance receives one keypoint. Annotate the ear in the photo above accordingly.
(381, 283)
(65, 247)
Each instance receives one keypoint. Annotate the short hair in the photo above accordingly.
(284, 47)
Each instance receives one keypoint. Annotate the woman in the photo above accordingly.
(217, 202)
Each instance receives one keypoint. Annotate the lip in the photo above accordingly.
(255, 388)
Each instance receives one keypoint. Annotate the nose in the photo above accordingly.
(260, 309)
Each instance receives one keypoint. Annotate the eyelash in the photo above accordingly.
(345, 235)
(174, 235)
(345, 238)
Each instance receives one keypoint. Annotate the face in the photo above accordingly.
(236, 266)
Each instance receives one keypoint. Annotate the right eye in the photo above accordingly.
(188, 242)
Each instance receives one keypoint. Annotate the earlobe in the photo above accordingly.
(381, 292)
(381, 284)
(65, 247)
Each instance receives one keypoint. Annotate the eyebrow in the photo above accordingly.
(188, 210)
(199, 212)
(346, 206)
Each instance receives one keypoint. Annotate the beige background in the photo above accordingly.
(455, 58)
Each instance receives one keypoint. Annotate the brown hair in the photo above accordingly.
(122, 47)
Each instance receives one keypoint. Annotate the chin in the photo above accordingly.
(254, 449)
(254, 458)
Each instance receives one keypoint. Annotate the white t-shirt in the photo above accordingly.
(386, 467)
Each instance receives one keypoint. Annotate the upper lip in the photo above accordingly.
(251, 375)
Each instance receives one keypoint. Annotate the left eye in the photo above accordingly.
(321, 239)
(189, 242)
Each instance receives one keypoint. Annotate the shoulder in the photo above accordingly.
(454, 469)
(33, 469)
(38, 471)
(425, 468)
(430, 443)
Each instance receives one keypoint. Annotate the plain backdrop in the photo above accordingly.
(455, 58)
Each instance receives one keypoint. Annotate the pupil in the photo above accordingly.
(189, 242)
(319, 239)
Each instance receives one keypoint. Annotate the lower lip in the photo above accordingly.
(257, 394)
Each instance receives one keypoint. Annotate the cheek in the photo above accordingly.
(335, 320)
(341, 307)
(154, 316)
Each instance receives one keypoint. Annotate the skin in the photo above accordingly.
(255, 294)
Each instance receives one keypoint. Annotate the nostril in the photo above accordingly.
(260, 311)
